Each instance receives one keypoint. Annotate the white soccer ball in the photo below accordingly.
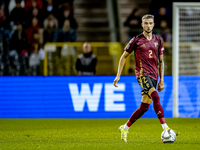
(168, 136)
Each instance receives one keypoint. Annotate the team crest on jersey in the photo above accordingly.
(156, 44)
(128, 46)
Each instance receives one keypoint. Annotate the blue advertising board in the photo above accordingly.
(189, 96)
(89, 97)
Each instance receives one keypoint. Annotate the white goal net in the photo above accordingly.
(186, 57)
(189, 40)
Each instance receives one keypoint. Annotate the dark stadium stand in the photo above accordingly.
(92, 18)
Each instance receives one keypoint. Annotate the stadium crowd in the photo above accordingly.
(25, 27)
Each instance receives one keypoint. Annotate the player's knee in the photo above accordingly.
(155, 97)
(144, 107)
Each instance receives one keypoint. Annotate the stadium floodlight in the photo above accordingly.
(186, 45)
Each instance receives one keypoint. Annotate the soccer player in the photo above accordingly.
(148, 50)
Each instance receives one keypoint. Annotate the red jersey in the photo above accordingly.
(146, 54)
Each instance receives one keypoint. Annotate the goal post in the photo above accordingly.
(175, 56)
(185, 55)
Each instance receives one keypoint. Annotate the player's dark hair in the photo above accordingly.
(148, 16)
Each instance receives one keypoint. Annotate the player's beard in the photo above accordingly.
(147, 31)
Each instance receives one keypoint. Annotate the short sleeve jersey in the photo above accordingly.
(146, 54)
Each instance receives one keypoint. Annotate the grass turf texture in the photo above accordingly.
(89, 134)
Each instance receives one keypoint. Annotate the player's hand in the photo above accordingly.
(160, 86)
(115, 81)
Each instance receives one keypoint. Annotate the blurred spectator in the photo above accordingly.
(2, 17)
(65, 4)
(162, 16)
(5, 36)
(154, 6)
(50, 17)
(19, 42)
(4, 20)
(163, 24)
(17, 14)
(12, 5)
(35, 46)
(166, 35)
(50, 26)
(66, 14)
(4, 49)
(34, 12)
(86, 62)
(18, 51)
(4, 6)
(34, 62)
(34, 59)
(134, 23)
(66, 33)
(30, 31)
(165, 31)
(5, 33)
(33, 3)
(49, 8)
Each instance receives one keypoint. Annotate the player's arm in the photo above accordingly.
(120, 67)
(161, 71)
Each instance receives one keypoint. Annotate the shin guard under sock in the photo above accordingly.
(156, 105)
(137, 113)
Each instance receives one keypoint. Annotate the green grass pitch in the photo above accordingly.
(97, 134)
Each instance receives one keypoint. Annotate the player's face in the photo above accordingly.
(148, 25)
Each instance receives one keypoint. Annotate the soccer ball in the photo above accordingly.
(168, 136)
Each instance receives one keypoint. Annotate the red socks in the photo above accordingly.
(137, 113)
(157, 107)
(144, 107)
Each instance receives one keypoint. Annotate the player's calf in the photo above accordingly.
(156, 104)
(158, 109)
(136, 115)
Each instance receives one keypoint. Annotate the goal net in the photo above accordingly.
(189, 33)
(186, 48)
